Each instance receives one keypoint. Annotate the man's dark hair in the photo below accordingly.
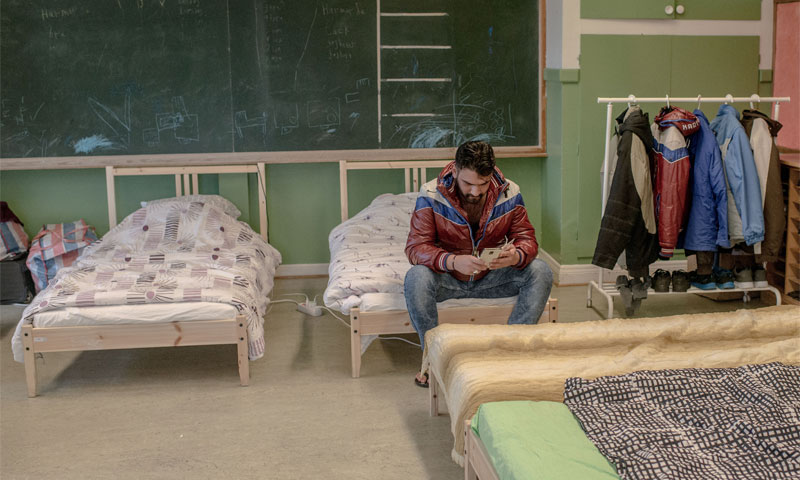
(476, 156)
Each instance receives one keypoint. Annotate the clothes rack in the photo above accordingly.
(608, 290)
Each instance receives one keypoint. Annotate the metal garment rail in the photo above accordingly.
(610, 291)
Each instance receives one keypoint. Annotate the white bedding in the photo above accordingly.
(368, 260)
(125, 314)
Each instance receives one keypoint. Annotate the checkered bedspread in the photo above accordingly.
(717, 423)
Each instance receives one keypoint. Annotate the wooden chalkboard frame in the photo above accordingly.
(299, 156)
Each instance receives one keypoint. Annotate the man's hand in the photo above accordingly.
(508, 256)
(468, 264)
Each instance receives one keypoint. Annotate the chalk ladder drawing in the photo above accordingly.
(435, 134)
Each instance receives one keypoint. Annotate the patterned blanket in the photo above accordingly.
(169, 251)
(705, 423)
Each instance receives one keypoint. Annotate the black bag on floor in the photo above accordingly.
(16, 284)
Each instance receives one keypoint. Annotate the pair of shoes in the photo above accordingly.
(760, 276)
(661, 280)
(724, 279)
(419, 382)
(743, 277)
(680, 281)
(703, 282)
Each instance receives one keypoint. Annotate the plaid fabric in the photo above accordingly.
(14, 239)
(57, 246)
(715, 423)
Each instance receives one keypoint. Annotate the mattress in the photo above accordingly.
(368, 261)
(476, 364)
(139, 314)
(538, 440)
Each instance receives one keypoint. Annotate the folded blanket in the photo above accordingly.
(479, 364)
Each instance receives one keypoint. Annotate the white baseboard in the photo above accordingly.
(302, 270)
(585, 273)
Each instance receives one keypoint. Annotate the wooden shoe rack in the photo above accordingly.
(791, 257)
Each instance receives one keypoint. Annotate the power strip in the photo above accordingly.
(309, 307)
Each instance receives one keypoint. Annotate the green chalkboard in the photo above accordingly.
(88, 77)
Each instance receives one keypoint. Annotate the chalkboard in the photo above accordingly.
(88, 77)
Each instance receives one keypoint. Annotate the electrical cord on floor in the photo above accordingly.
(401, 339)
(333, 314)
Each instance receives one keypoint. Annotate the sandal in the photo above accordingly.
(420, 383)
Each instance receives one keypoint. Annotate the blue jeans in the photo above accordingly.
(424, 288)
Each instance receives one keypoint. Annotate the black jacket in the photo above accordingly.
(629, 219)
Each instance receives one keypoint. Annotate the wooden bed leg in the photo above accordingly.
(355, 344)
(242, 348)
(469, 469)
(553, 306)
(30, 359)
(433, 391)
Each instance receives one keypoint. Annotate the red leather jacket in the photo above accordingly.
(439, 226)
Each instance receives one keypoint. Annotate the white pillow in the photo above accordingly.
(215, 200)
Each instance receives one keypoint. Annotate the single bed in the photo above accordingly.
(682, 424)
(472, 365)
(178, 272)
(368, 266)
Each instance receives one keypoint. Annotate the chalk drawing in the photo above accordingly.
(185, 126)
(241, 121)
(324, 114)
(354, 117)
(286, 117)
(90, 144)
(120, 126)
(362, 83)
(352, 97)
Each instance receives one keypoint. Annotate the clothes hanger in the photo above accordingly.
(668, 102)
(631, 100)
(699, 101)
(728, 99)
(756, 98)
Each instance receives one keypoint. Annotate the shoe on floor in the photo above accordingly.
(703, 282)
(625, 292)
(639, 287)
(760, 276)
(421, 380)
(743, 278)
(680, 281)
(661, 280)
(725, 279)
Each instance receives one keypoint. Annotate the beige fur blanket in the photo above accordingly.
(478, 364)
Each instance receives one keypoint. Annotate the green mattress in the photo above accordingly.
(538, 441)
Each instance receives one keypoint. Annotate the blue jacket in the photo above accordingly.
(707, 227)
(745, 212)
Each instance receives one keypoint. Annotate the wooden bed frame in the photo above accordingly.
(176, 334)
(477, 464)
(393, 322)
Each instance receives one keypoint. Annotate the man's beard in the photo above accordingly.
(472, 199)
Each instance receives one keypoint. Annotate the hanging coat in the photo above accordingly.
(707, 227)
(629, 222)
(673, 166)
(745, 212)
(762, 131)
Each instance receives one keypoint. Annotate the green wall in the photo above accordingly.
(616, 66)
(302, 199)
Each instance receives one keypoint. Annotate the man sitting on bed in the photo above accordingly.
(468, 208)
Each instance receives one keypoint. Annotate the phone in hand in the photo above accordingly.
(489, 254)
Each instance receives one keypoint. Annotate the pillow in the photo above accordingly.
(215, 200)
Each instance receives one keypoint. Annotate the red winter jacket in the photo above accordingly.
(673, 167)
(439, 226)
